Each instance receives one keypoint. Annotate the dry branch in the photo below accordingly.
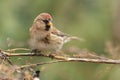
(57, 57)
(72, 60)
(66, 59)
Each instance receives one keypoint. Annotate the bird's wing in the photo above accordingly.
(66, 37)
(59, 33)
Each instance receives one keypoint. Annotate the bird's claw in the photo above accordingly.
(35, 51)
(52, 55)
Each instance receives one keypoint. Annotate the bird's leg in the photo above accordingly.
(35, 51)
(51, 55)
(56, 53)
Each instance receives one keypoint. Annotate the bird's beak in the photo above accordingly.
(49, 23)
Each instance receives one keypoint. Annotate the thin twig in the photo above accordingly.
(66, 59)
(38, 54)
(15, 49)
(73, 60)
(41, 63)
(5, 57)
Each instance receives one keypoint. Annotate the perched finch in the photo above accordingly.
(44, 36)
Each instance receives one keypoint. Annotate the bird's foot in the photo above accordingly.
(52, 55)
(35, 51)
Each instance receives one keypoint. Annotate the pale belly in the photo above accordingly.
(53, 45)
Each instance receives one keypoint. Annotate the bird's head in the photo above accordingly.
(43, 21)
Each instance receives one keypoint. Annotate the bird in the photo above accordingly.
(45, 37)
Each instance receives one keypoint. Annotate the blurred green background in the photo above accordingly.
(92, 20)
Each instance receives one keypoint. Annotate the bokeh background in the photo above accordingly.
(96, 21)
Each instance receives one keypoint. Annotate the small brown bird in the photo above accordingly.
(45, 37)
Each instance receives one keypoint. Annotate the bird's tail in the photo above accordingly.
(69, 38)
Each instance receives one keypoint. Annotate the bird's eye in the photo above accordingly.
(45, 21)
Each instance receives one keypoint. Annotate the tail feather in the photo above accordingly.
(67, 39)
